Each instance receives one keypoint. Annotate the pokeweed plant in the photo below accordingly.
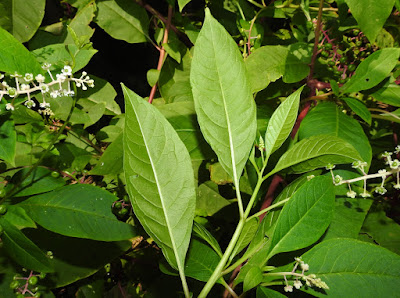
(98, 202)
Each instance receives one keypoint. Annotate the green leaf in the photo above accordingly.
(209, 201)
(252, 279)
(316, 152)
(373, 70)
(152, 76)
(359, 108)
(58, 56)
(15, 57)
(388, 93)
(174, 83)
(39, 181)
(204, 234)
(218, 174)
(182, 4)
(159, 178)
(201, 261)
(182, 117)
(305, 216)
(17, 216)
(8, 139)
(111, 161)
(22, 250)
(263, 292)
(123, 19)
(338, 124)
(383, 230)
(75, 258)
(247, 234)
(22, 18)
(78, 210)
(351, 266)
(269, 63)
(371, 15)
(281, 123)
(225, 108)
(71, 157)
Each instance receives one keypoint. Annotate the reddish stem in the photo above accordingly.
(162, 51)
(300, 118)
(269, 197)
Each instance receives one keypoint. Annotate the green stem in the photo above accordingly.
(267, 209)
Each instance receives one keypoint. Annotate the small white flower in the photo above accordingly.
(46, 66)
(394, 164)
(15, 75)
(397, 186)
(44, 105)
(298, 259)
(25, 87)
(28, 77)
(67, 70)
(5, 84)
(30, 104)
(338, 179)
(40, 78)
(90, 83)
(310, 177)
(365, 194)
(54, 93)
(351, 194)
(288, 288)
(304, 266)
(1, 76)
(61, 77)
(383, 171)
(297, 284)
(395, 151)
(9, 107)
(380, 190)
(330, 166)
(359, 164)
(12, 92)
(44, 88)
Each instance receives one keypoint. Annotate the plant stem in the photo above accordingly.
(162, 51)
(267, 209)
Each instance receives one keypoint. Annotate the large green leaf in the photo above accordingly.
(373, 70)
(111, 161)
(182, 4)
(371, 15)
(281, 123)
(78, 210)
(224, 105)
(22, 250)
(351, 266)
(389, 92)
(8, 139)
(305, 216)
(338, 124)
(269, 63)
(21, 18)
(123, 19)
(14, 57)
(359, 108)
(159, 178)
(315, 152)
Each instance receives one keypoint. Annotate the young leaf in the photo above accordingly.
(252, 279)
(351, 266)
(182, 4)
(111, 161)
(305, 216)
(359, 108)
(247, 234)
(159, 178)
(315, 152)
(8, 137)
(22, 250)
(373, 70)
(389, 92)
(263, 292)
(371, 15)
(281, 123)
(224, 104)
(78, 210)
(204, 234)
(123, 19)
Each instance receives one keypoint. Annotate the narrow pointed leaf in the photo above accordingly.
(316, 152)
(159, 178)
(223, 101)
(305, 216)
(204, 234)
(281, 123)
(22, 250)
(351, 266)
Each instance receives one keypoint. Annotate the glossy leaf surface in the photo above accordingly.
(79, 210)
(224, 105)
(159, 178)
(8, 139)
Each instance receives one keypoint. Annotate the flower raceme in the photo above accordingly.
(59, 86)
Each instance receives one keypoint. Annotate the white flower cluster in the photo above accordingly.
(394, 165)
(28, 84)
(310, 280)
